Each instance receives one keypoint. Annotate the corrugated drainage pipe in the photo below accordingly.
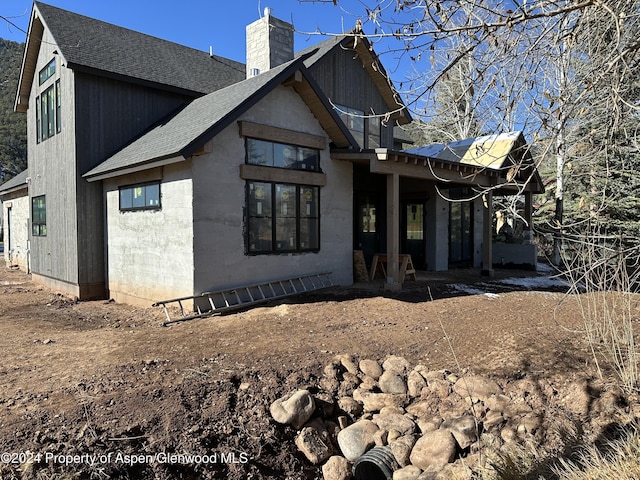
(377, 464)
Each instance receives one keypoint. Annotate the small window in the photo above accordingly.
(48, 71)
(39, 216)
(144, 196)
(282, 155)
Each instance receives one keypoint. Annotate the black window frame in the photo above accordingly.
(369, 131)
(268, 217)
(38, 126)
(144, 187)
(58, 105)
(39, 216)
(48, 113)
(283, 155)
(48, 105)
(47, 72)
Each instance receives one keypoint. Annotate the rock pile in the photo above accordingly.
(428, 419)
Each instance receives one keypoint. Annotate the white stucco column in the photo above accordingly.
(487, 233)
(393, 282)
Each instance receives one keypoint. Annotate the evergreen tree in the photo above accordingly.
(13, 126)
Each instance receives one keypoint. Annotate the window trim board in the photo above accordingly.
(281, 135)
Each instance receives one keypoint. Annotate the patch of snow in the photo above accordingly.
(536, 282)
(466, 289)
(545, 268)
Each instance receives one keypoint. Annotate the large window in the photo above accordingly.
(39, 216)
(48, 103)
(281, 155)
(144, 196)
(48, 111)
(282, 218)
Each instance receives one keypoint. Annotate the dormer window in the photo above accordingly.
(47, 72)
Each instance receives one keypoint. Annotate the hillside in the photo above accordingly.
(13, 126)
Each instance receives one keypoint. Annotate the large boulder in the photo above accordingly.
(476, 388)
(357, 439)
(464, 429)
(294, 409)
(393, 382)
(433, 448)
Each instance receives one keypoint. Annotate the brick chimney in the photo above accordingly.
(269, 43)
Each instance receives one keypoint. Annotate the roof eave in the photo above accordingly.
(381, 160)
(133, 80)
(29, 60)
(138, 167)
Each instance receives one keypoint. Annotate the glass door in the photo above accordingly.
(460, 233)
(413, 233)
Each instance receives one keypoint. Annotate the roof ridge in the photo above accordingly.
(106, 49)
(136, 32)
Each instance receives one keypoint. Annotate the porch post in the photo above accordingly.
(487, 234)
(528, 218)
(393, 232)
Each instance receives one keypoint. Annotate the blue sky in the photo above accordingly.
(198, 23)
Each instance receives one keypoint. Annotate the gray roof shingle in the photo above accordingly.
(93, 45)
(201, 118)
(17, 182)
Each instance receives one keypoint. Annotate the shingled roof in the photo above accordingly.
(16, 183)
(101, 48)
(190, 128)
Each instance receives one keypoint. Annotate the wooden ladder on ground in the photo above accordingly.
(220, 301)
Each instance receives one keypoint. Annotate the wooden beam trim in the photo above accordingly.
(282, 175)
(282, 135)
(429, 172)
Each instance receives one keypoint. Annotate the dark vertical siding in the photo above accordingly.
(345, 81)
(109, 114)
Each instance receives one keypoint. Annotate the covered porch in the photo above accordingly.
(436, 203)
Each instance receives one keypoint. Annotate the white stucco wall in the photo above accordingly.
(219, 216)
(150, 252)
(16, 234)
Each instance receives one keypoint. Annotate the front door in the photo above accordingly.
(413, 233)
(461, 233)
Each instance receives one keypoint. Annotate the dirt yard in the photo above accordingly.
(107, 383)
